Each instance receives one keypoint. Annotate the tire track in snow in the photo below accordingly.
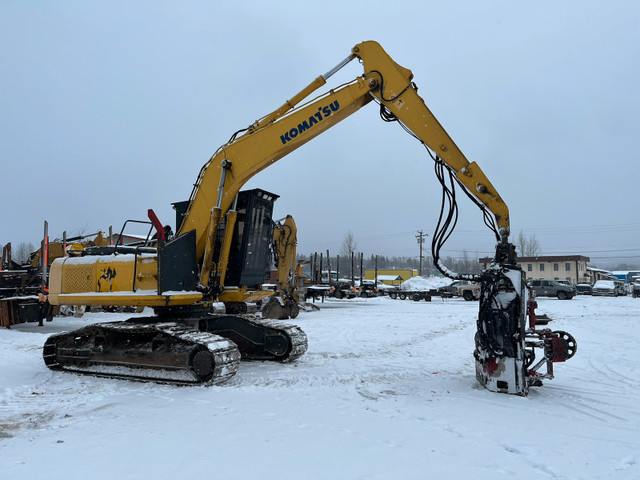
(614, 377)
(342, 352)
(587, 402)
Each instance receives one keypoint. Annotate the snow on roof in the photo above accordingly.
(389, 277)
(593, 269)
(421, 283)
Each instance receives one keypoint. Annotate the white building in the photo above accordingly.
(572, 268)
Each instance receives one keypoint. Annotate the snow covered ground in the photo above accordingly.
(386, 390)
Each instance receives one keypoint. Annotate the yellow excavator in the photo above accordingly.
(285, 303)
(223, 232)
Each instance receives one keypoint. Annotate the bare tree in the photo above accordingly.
(82, 231)
(349, 245)
(22, 252)
(527, 246)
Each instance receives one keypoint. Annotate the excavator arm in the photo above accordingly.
(393, 88)
(283, 244)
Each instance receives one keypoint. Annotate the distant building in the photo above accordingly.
(572, 268)
(626, 276)
(599, 274)
(391, 277)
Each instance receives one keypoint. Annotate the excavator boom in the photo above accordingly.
(289, 127)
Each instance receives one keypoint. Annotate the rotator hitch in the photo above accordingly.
(507, 338)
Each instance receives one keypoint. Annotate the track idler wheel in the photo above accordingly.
(203, 364)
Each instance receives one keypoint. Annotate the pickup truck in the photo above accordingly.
(461, 288)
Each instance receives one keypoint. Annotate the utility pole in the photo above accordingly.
(420, 238)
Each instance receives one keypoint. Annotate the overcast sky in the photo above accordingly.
(108, 108)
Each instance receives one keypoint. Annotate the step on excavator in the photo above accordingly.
(222, 234)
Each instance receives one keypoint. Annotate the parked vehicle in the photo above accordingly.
(341, 289)
(635, 289)
(621, 287)
(552, 288)
(366, 288)
(461, 288)
(605, 288)
(583, 288)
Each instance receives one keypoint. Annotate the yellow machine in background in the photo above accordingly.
(285, 304)
(72, 246)
(23, 286)
(222, 233)
(27, 277)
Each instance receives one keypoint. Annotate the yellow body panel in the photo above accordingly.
(125, 280)
(141, 298)
(243, 294)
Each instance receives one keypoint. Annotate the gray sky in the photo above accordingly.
(108, 108)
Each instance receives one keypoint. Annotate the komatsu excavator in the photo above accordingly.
(222, 230)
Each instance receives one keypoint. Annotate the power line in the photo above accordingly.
(386, 235)
(568, 229)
